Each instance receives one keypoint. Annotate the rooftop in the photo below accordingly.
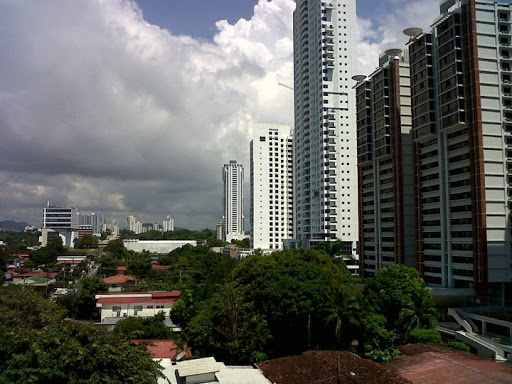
(440, 364)
(321, 367)
(164, 349)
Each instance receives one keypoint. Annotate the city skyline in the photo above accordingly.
(111, 113)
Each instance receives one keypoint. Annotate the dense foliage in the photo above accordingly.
(289, 301)
(39, 347)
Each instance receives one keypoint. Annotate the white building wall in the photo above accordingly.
(325, 128)
(135, 309)
(271, 186)
(233, 201)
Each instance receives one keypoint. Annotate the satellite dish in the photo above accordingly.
(393, 52)
(412, 32)
(358, 77)
(180, 355)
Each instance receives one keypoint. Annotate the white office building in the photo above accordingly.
(233, 202)
(59, 222)
(271, 186)
(325, 174)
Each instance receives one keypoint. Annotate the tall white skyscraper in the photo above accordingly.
(168, 224)
(271, 186)
(130, 223)
(233, 202)
(325, 174)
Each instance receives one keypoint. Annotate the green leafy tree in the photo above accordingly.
(116, 248)
(290, 289)
(229, 328)
(342, 312)
(418, 312)
(389, 289)
(87, 242)
(67, 352)
(143, 328)
(25, 309)
(85, 307)
(374, 334)
(424, 336)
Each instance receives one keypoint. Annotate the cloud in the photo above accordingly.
(101, 110)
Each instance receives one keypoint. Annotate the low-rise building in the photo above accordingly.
(114, 306)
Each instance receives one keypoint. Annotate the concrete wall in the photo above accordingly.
(156, 246)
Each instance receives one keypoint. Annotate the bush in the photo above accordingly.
(461, 346)
(424, 336)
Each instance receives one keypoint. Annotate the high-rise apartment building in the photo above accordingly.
(130, 223)
(461, 75)
(168, 224)
(271, 186)
(93, 219)
(461, 104)
(385, 165)
(325, 170)
(233, 201)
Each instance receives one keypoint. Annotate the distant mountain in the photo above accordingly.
(11, 225)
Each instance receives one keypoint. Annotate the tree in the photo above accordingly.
(87, 242)
(116, 248)
(417, 312)
(342, 311)
(67, 352)
(228, 327)
(25, 309)
(290, 288)
(143, 328)
(86, 302)
(387, 291)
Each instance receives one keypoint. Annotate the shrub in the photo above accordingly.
(461, 346)
(424, 336)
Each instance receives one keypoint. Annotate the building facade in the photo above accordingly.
(130, 223)
(233, 201)
(385, 165)
(462, 118)
(271, 186)
(59, 222)
(325, 163)
(168, 224)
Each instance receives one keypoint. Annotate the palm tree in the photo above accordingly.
(418, 311)
(342, 310)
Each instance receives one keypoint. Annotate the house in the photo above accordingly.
(208, 371)
(116, 305)
(72, 260)
(118, 283)
(42, 284)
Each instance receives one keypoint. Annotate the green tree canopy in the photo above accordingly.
(39, 347)
(389, 290)
(290, 288)
(143, 328)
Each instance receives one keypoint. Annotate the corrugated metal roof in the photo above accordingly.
(246, 375)
(199, 366)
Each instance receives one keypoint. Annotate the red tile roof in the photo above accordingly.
(164, 349)
(139, 297)
(160, 267)
(119, 279)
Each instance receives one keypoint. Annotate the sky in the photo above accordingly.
(132, 107)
